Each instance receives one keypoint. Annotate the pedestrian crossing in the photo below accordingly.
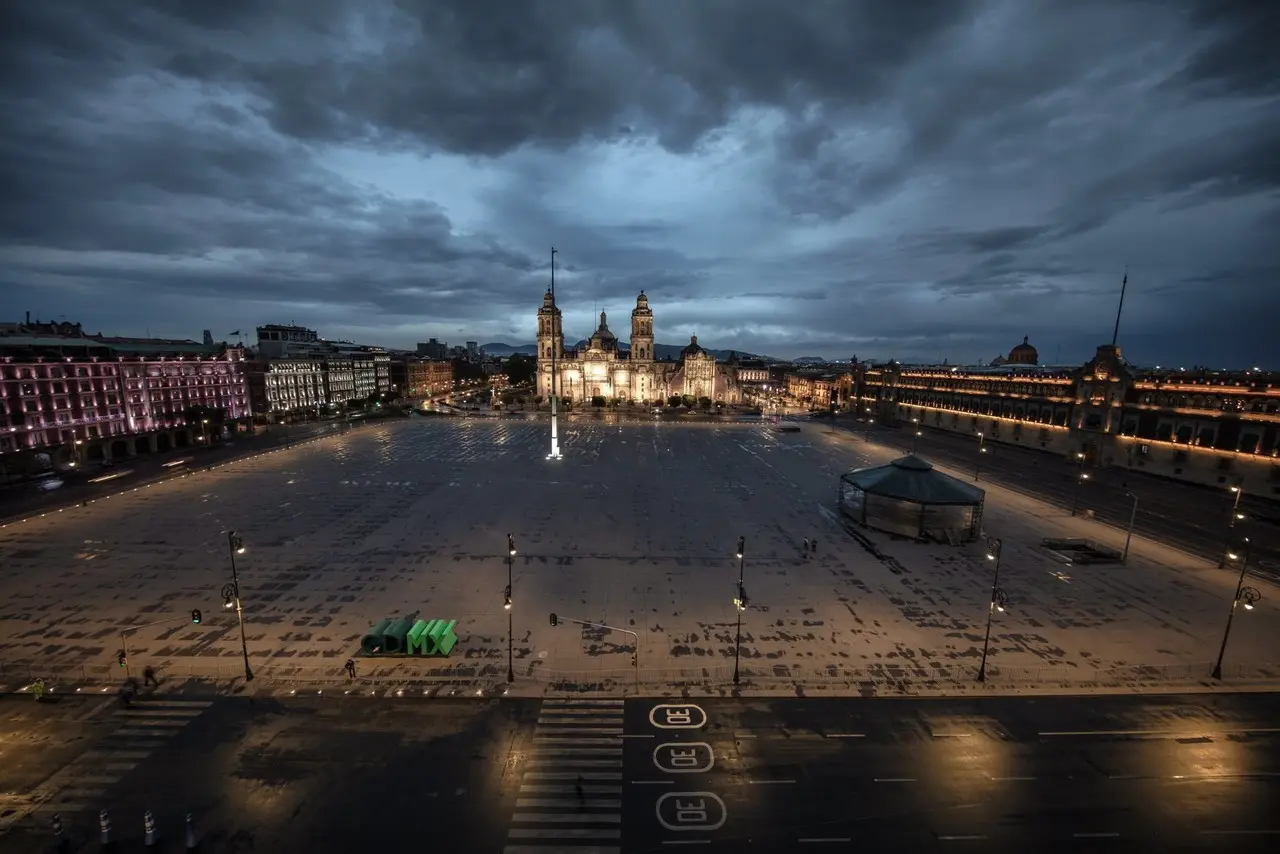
(140, 730)
(571, 794)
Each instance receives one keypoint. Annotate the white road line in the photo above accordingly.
(846, 735)
(638, 735)
(602, 704)
(584, 740)
(745, 735)
(560, 849)
(1013, 779)
(953, 735)
(1094, 835)
(561, 762)
(121, 766)
(682, 842)
(652, 782)
(567, 803)
(1240, 832)
(99, 779)
(1162, 732)
(148, 732)
(556, 729)
(579, 751)
(767, 782)
(894, 779)
(564, 833)
(527, 789)
(566, 818)
(93, 710)
(570, 775)
(962, 838)
(158, 713)
(826, 839)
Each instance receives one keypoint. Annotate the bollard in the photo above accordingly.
(191, 834)
(149, 829)
(104, 827)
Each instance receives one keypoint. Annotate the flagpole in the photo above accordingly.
(1115, 335)
(556, 333)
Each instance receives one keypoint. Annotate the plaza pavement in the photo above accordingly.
(635, 527)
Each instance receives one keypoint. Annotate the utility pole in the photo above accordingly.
(556, 333)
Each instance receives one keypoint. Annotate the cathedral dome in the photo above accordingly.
(693, 349)
(1024, 354)
(603, 339)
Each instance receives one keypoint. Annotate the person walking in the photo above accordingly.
(149, 679)
(804, 549)
(37, 689)
(351, 669)
(813, 545)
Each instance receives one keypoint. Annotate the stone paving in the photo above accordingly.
(635, 527)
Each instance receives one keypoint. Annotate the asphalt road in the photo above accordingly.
(22, 500)
(1193, 517)
(347, 773)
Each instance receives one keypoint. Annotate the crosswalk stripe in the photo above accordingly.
(91, 779)
(150, 731)
(581, 723)
(159, 713)
(146, 705)
(567, 818)
(560, 849)
(564, 833)
(570, 775)
(585, 739)
(571, 762)
(568, 803)
(588, 789)
(589, 729)
(579, 751)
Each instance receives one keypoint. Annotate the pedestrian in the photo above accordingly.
(149, 677)
(351, 669)
(582, 798)
(813, 546)
(805, 547)
(37, 689)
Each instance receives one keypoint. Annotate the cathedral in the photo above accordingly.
(602, 370)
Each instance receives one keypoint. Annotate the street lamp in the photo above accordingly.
(231, 597)
(1080, 479)
(740, 605)
(1128, 535)
(511, 556)
(1236, 516)
(999, 599)
(1246, 596)
(982, 449)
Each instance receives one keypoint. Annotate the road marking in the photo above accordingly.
(584, 739)
(1240, 832)
(566, 803)
(546, 849)
(767, 782)
(564, 790)
(566, 818)
(652, 782)
(578, 751)
(1094, 835)
(685, 842)
(638, 735)
(561, 762)
(744, 735)
(952, 735)
(569, 775)
(583, 729)
(846, 735)
(894, 779)
(1013, 779)
(965, 837)
(826, 839)
(1162, 732)
(565, 833)
(678, 716)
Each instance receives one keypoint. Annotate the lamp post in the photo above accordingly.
(555, 345)
(1246, 596)
(1236, 516)
(511, 556)
(998, 600)
(231, 597)
(1128, 534)
(739, 604)
(1080, 479)
(915, 429)
(982, 449)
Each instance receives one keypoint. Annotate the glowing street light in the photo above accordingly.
(506, 603)
(231, 597)
(1080, 479)
(739, 604)
(1246, 596)
(1236, 516)
(995, 548)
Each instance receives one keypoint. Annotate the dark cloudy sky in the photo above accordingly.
(900, 178)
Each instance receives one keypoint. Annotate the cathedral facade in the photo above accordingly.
(601, 369)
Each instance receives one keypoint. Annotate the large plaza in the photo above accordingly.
(635, 527)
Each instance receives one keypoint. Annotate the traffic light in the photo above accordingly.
(196, 616)
(555, 621)
(121, 658)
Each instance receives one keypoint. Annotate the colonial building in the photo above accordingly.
(601, 369)
(1219, 428)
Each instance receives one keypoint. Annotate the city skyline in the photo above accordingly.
(919, 183)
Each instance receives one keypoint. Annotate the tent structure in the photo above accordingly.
(910, 498)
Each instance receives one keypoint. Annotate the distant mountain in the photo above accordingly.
(809, 360)
(660, 351)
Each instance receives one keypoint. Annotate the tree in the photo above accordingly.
(597, 401)
(520, 368)
(674, 400)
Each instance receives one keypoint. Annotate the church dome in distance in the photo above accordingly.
(693, 349)
(1024, 354)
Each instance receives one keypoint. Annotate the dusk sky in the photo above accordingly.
(914, 180)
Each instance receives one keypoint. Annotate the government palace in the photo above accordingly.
(602, 370)
(1217, 428)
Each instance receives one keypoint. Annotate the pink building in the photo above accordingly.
(85, 398)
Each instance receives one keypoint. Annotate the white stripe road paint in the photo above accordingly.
(846, 735)
(579, 751)
(686, 842)
(144, 705)
(146, 732)
(1013, 779)
(586, 739)
(1094, 835)
(565, 818)
(767, 782)
(953, 735)
(1240, 833)
(120, 767)
(92, 780)
(652, 782)
(1163, 733)
(567, 803)
(602, 703)
(580, 730)
(570, 775)
(638, 735)
(560, 849)
(578, 713)
(745, 735)
(820, 839)
(564, 833)
(185, 712)
(963, 838)
(528, 789)
(894, 779)
(561, 762)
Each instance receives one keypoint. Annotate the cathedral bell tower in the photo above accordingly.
(642, 330)
(550, 340)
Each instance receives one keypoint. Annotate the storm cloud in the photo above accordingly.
(919, 181)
